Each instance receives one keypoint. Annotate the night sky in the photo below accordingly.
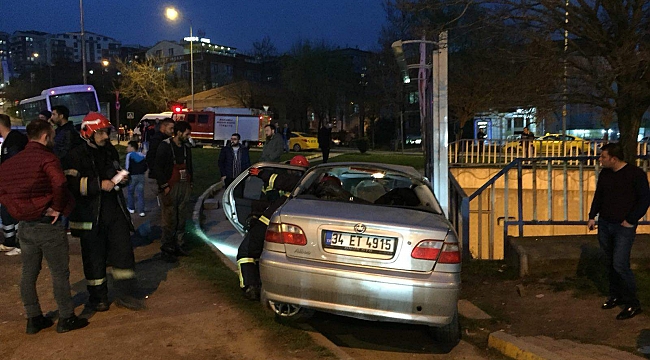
(237, 23)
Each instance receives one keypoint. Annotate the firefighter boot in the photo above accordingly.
(98, 300)
(126, 295)
(250, 280)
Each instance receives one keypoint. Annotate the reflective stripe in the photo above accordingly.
(272, 180)
(9, 227)
(264, 220)
(71, 172)
(80, 225)
(239, 263)
(83, 186)
(96, 282)
(121, 274)
(10, 234)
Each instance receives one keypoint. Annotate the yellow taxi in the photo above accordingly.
(302, 141)
(552, 144)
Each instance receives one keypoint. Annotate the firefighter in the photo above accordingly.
(251, 247)
(100, 218)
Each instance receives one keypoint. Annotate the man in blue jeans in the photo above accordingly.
(622, 198)
(37, 199)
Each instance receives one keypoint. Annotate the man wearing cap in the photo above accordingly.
(100, 218)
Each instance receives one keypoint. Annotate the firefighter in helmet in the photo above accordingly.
(251, 247)
(100, 217)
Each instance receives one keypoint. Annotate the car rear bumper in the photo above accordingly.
(420, 298)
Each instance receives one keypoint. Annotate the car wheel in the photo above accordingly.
(290, 313)
(450, 333)
(296, 148)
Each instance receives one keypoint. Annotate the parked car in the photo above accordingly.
(301, 141)
(552, 144)
(362, 240)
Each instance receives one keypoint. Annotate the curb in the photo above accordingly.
(197, 213)
(514, 348)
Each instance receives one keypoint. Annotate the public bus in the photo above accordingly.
(79, 99)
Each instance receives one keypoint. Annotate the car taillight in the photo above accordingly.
(285, 234)
(444, 253)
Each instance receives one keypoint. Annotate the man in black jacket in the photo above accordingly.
(233, 160)
(622, 198)
(165, 131)
(173, 169)
(66, 136)
(14, 142)
(324, 140)
(100, 217)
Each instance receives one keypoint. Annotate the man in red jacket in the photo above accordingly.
(33, 187)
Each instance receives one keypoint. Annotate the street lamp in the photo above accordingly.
(173, 14)
(83, 43)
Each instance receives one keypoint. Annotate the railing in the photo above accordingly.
(566, 192)
(501, 152)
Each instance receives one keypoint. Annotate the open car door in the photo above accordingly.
(239, 197)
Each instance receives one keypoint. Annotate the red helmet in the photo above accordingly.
(299, 160)
(332, 180)
(93, 122)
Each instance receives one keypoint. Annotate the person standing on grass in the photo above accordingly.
(622, 198)
(14, 142)
(38, 201)
(273, 148)
(233, 160)
(136, 165)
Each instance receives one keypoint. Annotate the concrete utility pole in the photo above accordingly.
(433, 111)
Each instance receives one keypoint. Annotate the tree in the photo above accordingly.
(151, 82)
(607, 55)
(317, 77)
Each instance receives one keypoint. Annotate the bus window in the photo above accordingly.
(31, 110)
(80, 103)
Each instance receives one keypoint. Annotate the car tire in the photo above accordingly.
(449, 334)
(289, 313)
(296, 148)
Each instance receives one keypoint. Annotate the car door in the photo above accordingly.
(245, 192)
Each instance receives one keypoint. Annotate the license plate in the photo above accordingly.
(360, 242)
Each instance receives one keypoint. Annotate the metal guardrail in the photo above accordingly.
(501, 152)
(586, 168)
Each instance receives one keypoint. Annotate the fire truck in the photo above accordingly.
(215, 125)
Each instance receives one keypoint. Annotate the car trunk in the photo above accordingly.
(387, 235)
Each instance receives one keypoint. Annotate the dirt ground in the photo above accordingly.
(554, 307)
(186, 319)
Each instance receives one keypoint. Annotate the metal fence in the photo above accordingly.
(502, 152)
(551, 191)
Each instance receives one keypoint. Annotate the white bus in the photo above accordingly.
(79, 99)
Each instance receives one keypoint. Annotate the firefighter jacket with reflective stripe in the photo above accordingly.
(85, 167)
(282, 182)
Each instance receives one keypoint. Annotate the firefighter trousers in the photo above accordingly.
(248, 255)
(107, 244)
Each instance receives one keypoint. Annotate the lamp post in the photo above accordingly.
(173, 14)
